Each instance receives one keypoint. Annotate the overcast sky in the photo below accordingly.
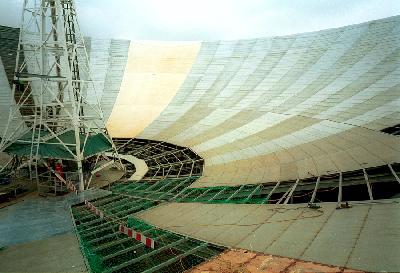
(212, 19)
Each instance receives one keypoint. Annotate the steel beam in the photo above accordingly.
(252, 193)
(291, 192)
(176, 187)
(185, 191)
(120, 241)
(218, 194)
(172, 260)
(145, 256)
(314, 194)
(115, 216)
(394, 173)
(271, 192)
(101, 228)
(128, 249)
(111, 235)
(368, 185)
(340, 190)
(284, 195)
(201, 195)
(235, 193)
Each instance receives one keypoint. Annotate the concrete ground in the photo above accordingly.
(36, 234)
(36, 218)
(364, 237)
(58, 253)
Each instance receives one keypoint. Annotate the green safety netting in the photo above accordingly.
(167, 189)
(53, 148)
(93, 259)
(252, 194)
(107, 250)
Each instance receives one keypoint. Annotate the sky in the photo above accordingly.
(199, 20)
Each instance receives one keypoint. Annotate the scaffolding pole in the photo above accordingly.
(368, 185)
(394, 173)
(314, 194)
(51, 82)
(339, 201)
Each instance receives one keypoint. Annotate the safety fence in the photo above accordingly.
(372, 183)
(269, 193)
(164, 189)
(56, 181)
(366, 184)
(178, 190)
(109, 245)
(255, 194)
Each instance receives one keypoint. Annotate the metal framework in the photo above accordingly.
(163, 159)
(285, 192)
(107, 250)
(52, 86)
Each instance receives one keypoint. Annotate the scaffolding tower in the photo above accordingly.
(55, 111)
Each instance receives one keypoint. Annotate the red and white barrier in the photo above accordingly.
(123, 229)
(94, 209)
(71, 187)
(137, 236)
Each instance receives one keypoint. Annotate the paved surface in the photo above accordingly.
(56, 254)
(37, 218)
(36, 234)
(364, 237)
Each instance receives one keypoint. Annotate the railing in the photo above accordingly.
(49, 180)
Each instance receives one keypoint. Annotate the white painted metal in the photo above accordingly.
(284, 195)
(291, 191)
(339, 202)
(368, 185)
(315, 190)
(272, 191)
(52, 68)
(394, 173)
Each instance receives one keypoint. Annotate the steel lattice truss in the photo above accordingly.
(162, 158)
(52, 86)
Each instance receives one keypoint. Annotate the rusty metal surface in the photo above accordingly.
(244, 261)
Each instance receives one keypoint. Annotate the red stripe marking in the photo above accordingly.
(138, 237)
(148, 242)
(129, 232)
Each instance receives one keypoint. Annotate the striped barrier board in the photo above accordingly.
(94, 209)
(137, 236)
(123, 229)
(71, 187)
